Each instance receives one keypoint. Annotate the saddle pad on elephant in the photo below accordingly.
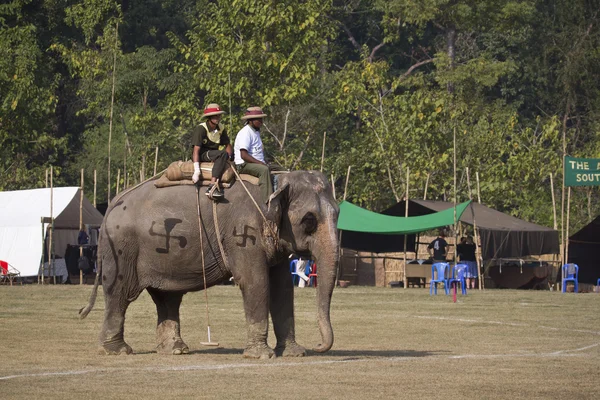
(180, 170)
(163, 181)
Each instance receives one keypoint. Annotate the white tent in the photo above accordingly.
(21, 231)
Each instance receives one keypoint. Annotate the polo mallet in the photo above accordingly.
(209, 343)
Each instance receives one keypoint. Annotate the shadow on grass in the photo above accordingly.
(345, 354)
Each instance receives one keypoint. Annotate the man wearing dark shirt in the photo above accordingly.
(207, 140)
(437, 248)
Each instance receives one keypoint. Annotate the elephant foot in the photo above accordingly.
(175, 347)
(262, 352)
(115, 348)
(291, 349)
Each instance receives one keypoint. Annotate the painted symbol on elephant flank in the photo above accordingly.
(245, 236)
(169, 225)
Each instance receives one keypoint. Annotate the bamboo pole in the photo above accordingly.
(478, 192)
(340, 232)
(426, 185)
(406, 199)
(347, 179)
(455, 219)
(46, 177)
(323, 150)
(478, 257)
(155, 160)
(112, 104)
(81, 223)
(553, 200)
(143, 169)
(50, 245)
(567, 226)
(125, 165)
(95, 180)
(333, 186)
(118, 181)
(230, 112)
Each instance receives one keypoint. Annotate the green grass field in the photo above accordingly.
(389, 343)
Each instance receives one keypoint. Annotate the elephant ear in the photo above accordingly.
(276, 201)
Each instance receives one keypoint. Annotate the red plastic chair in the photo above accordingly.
(313, 274)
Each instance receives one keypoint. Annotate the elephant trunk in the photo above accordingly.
(326, 256)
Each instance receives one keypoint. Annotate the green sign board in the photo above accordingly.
(582, 171)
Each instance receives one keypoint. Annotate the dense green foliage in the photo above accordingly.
(390, 81)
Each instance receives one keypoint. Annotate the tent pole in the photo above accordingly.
(405, 279)
(333, 187)
(478, 192)
(46, 177)
(567, 226)
(112, 103)
(455, 219)
(476, 236)
(51, 247)
(94, 188)
(155, 160)
(81, 224)
(323, 150)
(340, 237)
(553, 200)
(118, 180)
(347, 179)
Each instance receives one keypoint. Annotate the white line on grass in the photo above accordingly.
(562, 353)
(504, 323)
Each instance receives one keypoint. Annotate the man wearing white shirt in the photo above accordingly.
(249, 152)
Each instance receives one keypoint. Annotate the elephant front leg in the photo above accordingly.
(256, 307)
(282, 312)
(168, 336)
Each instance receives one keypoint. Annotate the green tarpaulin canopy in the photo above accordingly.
(354, 218)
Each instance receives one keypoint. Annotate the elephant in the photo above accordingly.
(150, 239)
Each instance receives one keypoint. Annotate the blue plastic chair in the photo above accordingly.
(295, 277)
(438, 275)
(459, 272)
(570, 273)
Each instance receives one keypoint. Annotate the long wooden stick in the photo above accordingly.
(95, 180)
(118, 180)
(553, 201)
(426, 185)
(333, 186)
(454, 198)
(478, 257)
(478, 192)
(567, 226)
(81, 223)
(155, 160)
(323, 150)
(112, 104)
(50, 245)
(406, 200)
(347, 179)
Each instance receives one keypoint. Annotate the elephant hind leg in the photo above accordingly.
(168, 335)
(111, 336)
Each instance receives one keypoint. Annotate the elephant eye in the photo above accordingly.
(309, 221)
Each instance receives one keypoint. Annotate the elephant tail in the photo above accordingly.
(84, 311)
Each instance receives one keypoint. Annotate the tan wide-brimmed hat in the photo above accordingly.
(212, 109)
(253, 113)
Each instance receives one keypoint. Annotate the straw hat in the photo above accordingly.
(212, 109)
(253, 113)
